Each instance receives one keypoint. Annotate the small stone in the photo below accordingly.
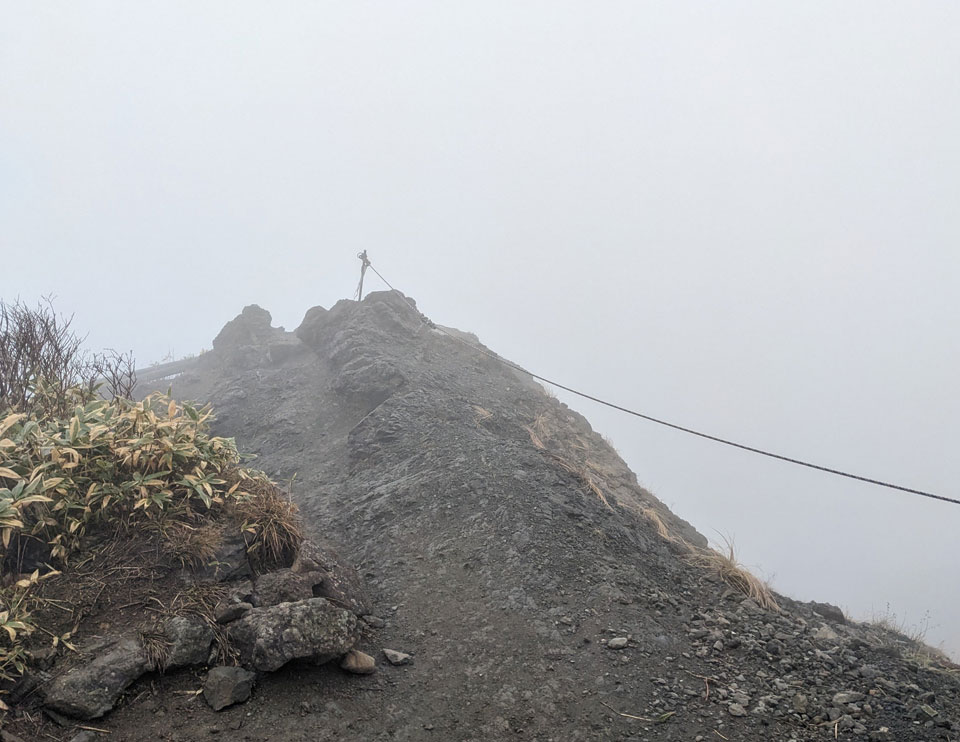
(929, 711)
(359, 663)
(736, 709)
(226, 686)
(847, 696)
(825, 634)
(84, 736)
(618, 642)
(800, 703)
(374, 622)
(397, 658)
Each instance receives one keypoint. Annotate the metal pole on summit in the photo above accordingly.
(363, 269)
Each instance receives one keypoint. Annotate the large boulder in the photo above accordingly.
(340, 584)
(315, 629)
(286, 586)
(91, 689)
(250, 327)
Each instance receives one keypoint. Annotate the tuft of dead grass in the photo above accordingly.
(665, 533)
(725, 565)
(156, 647)
(270, 523)
(192, 546)
(537, 431)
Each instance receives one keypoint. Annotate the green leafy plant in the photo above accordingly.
(122, 464)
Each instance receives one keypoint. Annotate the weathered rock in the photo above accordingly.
(397, 658)
(341, 583)
(269, 637)
(90, 690)
(83, 736)
(374, 622)
(825, 634)
(359, 663)
(229, 562)
(249, 327)
(226, 686)
(800, 703)
(735, 709)
(285, 586)
(190, 638)
(618, 642)
(847, 696)
(227, 612)
(829, 612)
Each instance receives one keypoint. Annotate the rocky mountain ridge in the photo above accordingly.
(535, 590)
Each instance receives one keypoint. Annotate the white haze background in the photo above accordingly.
(739, 216)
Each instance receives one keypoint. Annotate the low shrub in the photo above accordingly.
(121, 464)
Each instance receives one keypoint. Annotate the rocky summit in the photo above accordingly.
(521, 584)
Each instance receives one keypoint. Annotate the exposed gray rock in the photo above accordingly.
(269, 637)
(229, 562)
(847, 696)
(190, 638)
(227, 612)
(735, 709)
(618, 642)
(91, 689)
(397, 658)
(825, 634)
(359, 663)
(286, 586)
(340, 584)
(829, 612)
(226, 686)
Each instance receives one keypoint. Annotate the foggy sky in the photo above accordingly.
(738, 216)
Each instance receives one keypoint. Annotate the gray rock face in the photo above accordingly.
(829, 612)
(190, 638)
(315, 629)
(227, 612)
(228, 563)
(285, 586)
(226, 686)
(339, 582)
(90, 690)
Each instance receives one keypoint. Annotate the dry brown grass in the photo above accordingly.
(192, 546)
(270, 523)
(665, 533)
(157, 648)
(725, 565)
(537, 432)
(481, 415)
